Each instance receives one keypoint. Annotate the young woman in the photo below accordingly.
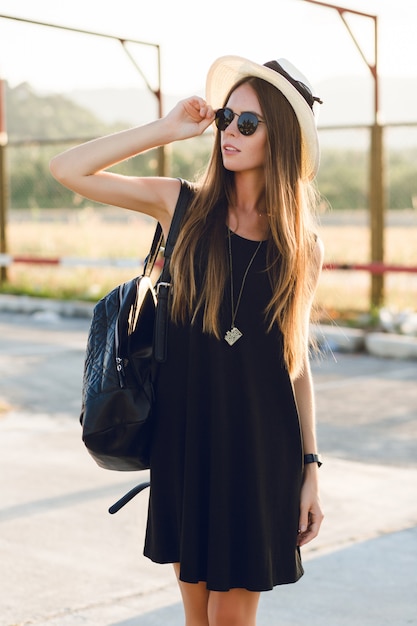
(234, 467)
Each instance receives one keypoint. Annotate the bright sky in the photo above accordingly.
(192, 34)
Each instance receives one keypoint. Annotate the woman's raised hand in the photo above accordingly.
(190, 117)
(84, 169)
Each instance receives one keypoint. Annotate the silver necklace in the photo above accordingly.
(234, 334)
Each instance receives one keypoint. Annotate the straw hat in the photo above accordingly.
(228, 70)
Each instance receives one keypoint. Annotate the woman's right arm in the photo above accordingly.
(83, 168)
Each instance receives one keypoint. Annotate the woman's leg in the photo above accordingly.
(195, 600)
(237, 607)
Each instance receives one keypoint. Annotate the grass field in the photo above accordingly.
(111, 233)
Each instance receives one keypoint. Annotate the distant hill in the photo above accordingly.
(347, 100)
(342, 177)
(351, 100)
(127, 106)
(30, 115)
(93, 112)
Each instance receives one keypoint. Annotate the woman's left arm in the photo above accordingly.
(311, 514)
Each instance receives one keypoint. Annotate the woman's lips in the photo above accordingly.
(229, 149)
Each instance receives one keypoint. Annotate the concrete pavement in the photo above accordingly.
(333, 337)
(65, 561)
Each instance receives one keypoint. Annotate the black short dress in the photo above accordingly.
(226, 463)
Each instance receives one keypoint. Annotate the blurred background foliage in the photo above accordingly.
(40, 126)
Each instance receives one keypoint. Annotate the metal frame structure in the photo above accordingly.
(3, 130)
(377, 199)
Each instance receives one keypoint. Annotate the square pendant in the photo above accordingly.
(232, 335)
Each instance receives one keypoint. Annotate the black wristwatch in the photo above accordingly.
(313, 458)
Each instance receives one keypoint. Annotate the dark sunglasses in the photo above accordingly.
(247, 122)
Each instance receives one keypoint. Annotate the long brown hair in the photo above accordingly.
(291, 242)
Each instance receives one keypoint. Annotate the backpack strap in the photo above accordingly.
(158, 238)
(180, 210)
(164, 282)
(154, 251)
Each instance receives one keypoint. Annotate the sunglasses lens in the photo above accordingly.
(247, 123)
(224, 117)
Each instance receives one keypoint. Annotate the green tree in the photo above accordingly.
(342, 178)
(402, 179)
(37, 123)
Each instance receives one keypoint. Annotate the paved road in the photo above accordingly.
(64, 561)
(367, 407)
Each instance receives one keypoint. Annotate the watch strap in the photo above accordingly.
(313, 458)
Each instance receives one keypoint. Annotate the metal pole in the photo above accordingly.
(162, 161)
(377, 205)
(3, 180)
(162, 155)
(162, 164)
(377, 178)
(377, 190)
